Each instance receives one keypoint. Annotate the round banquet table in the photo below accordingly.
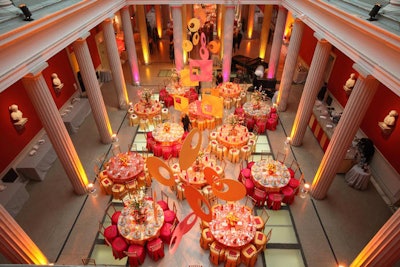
(228, 138)
(195, 173)
(176, 89)
(270, 175)
(147, 110)
(125, 167)
(229, 90)
(138, 232)
(258, 109)
(232, 224)
(168, 133)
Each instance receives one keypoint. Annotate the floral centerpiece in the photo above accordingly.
(271, 168)
(232, 219)
(137, 205)
(167, 127)
(234, 120)
(256, 97)
(145, 96)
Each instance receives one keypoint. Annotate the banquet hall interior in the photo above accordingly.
(69, 228)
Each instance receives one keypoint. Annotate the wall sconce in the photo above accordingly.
(374, 11)
(348, 87)
(17, 117)
(26, 11)
(387, 125)
(57, 84)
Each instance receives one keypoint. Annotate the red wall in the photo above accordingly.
(91, 42)
(384, 100)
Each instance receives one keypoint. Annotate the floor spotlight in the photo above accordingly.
(26, 12)
(374, 11)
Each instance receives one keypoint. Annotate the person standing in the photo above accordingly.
(239, 38)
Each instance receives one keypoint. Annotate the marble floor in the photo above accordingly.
(310, 232)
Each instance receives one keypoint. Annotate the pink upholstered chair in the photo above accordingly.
(288, 195)
(274, 201)
(164, 201)
(119, 245)
(260, 196)
(167, 230)
(155, 249)
(170, 215)
(136, 255)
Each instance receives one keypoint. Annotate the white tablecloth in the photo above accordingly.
(358, 178)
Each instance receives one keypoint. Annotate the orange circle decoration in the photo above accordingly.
(154, 166)
(196, 38)
(187, 45)
(195, 199)
(203, 39)
(182, 228)
(232, 190)
(193, 25)
(188, 153)
(214, 47)
(212, 176)
(204, 54)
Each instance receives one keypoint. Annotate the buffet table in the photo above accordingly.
(232, 225)
(358, 178)
(125, 167)
(270, 175)
(139, 225)
(74, 115)
(38, 161)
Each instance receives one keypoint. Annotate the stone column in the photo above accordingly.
(265, 30)
(219, 21)
(310, 90)
(352, 116)
(178, 50)
(290, 64)
(157, 9)
(227, 44)
(16, 245)
(250, 21)
(144, 37)
(383, 248)
(41, 98)
(115, 63)
(184, 33)
(91, 83)
(130, 44)
(277, 43)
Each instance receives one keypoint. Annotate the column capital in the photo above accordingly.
(176, 5)
(83, 37)
(363, 72)
(37, 70)
(320, 38)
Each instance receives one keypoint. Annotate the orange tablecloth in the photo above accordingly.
(144, 110)
(125, 167)
(271, 175)
(137, 232)
(232, 225)
(229, 89)
(168, 133)
(236, 138)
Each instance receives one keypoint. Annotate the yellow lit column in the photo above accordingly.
(227, 44)
(93, 90)
(219, 20)
(265, 30)
(144, 38)
(157, 9)
(250, 21)
(290, 64)
(178, 50)
(184, 32)
(310, 90)
(349, 123)
(277, 43)
(130, 44)
(115, 63)
(41, 98)
(383, 248)
(189, 12)
(16, 245)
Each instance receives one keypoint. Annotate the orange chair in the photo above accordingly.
(232, 258)
(206, 238)
(249, 255)
(260, 240)
(217, 253)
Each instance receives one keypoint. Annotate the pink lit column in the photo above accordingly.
(41, 98)
(383, 248)
(250, 21)
(91, 83)
(130, 44)
(16, 245)
(229, 19)
(177, 28)
(144, 38)
(310, 90)
(115, 63)
(353, 113)
(290, 64)
(277, 43)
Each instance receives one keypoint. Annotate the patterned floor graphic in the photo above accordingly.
(284, 248)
